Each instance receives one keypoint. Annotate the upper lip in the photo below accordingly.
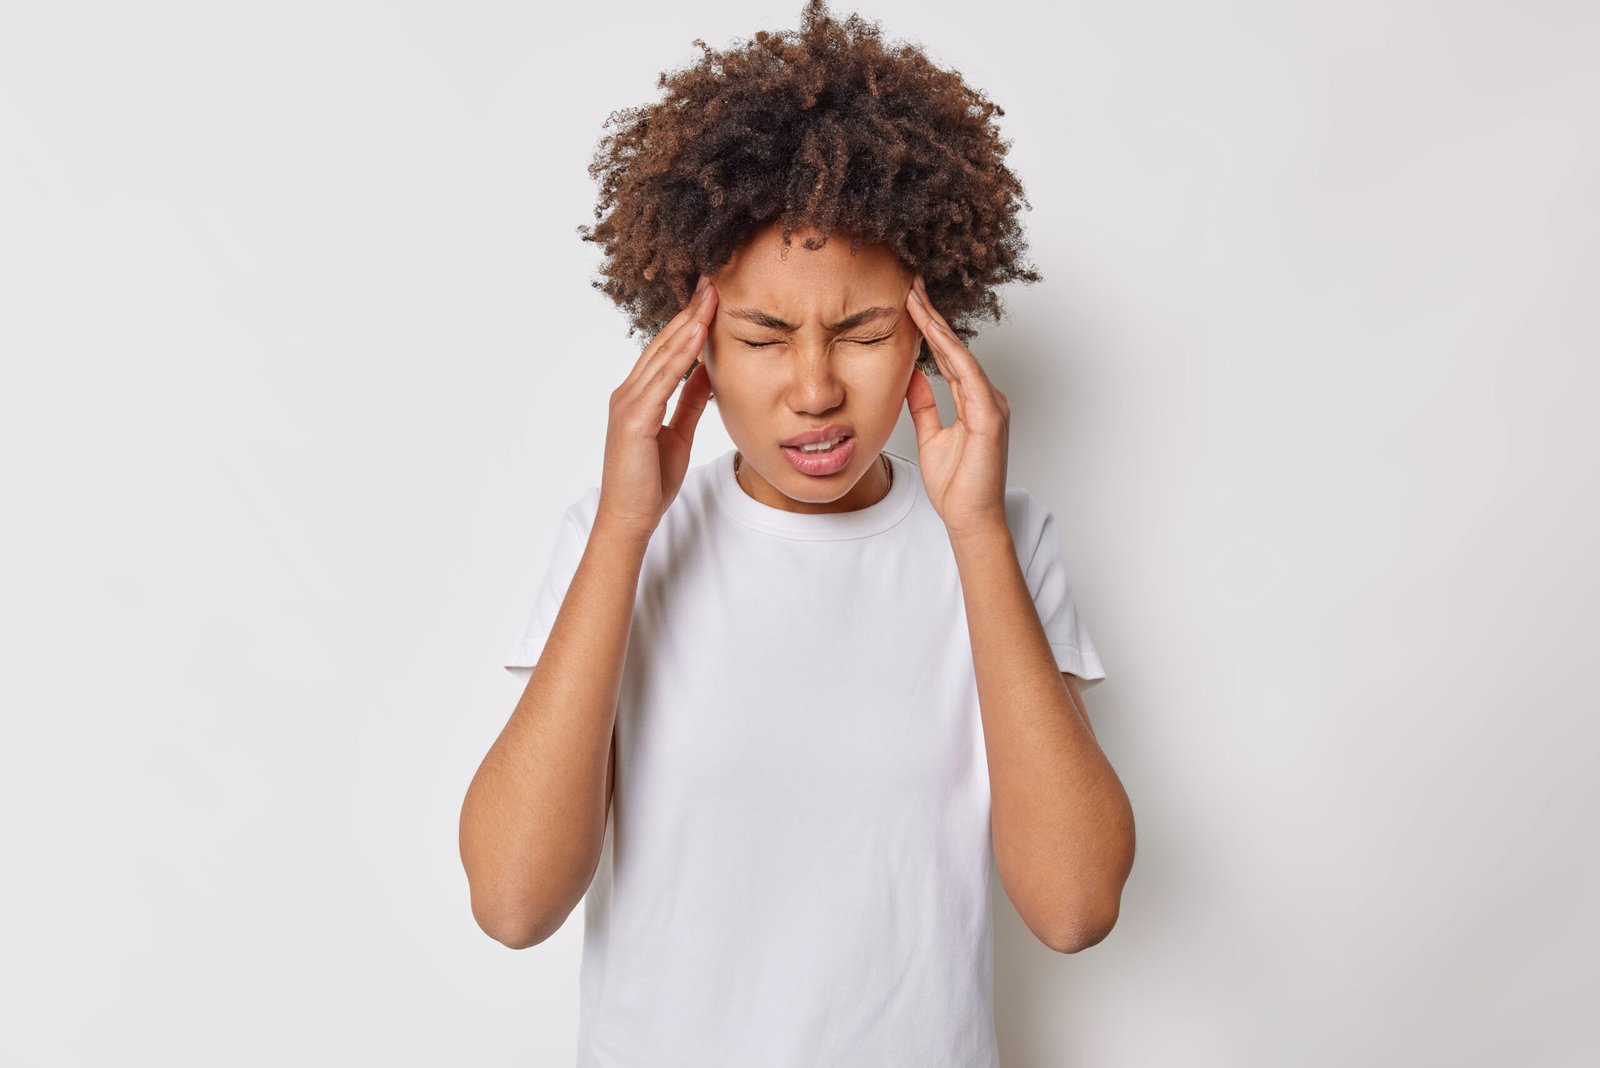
(827, 433)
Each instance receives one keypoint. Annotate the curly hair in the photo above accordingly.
(824, 129)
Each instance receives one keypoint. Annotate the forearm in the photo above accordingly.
(533, 822)
(1061, 822)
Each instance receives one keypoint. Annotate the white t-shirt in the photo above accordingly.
(796, 869)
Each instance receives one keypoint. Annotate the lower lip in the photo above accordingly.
(821, 463)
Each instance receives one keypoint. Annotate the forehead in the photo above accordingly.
(764, 268)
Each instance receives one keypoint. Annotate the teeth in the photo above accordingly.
(821, 446)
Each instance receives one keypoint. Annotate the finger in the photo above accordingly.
(669, 349)
(971, 388)
(691, 402)
(929, 322)
(665, 334)
(924, 407)
(646, 399)
(965, 361)
(974, 393)
(931, 330)
(673, 359)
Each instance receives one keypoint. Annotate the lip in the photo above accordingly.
(820, 464)
(811, 437)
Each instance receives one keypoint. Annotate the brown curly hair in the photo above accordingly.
(824, 129)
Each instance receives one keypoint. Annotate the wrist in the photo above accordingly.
(622, 532)
(981, 538)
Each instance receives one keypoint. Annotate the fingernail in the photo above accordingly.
(700, 285)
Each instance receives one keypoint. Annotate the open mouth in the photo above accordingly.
(821, 446)
(823, 458)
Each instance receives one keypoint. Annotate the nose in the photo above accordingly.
(815, 386)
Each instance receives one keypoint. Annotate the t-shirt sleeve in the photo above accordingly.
(1045, 568)
(572, 537)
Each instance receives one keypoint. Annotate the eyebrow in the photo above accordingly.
(772, 322)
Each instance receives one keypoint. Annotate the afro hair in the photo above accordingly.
(826, 129)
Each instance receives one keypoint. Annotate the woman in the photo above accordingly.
(814, 685)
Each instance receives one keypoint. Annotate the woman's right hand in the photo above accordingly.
(646, 459)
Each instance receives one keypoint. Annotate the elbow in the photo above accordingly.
(1088, 927)
(509, 928)
(513, 919)
(1097, 905)
(513, 937)
(514, 910)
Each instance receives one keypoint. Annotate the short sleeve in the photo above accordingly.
(1045, 568)
(572, 537)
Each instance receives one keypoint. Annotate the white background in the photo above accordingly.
(301, 363)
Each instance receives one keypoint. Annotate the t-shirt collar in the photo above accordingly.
(875, 518)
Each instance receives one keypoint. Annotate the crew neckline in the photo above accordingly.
(875, 518)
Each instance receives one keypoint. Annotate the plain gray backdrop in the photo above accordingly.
(301, 364)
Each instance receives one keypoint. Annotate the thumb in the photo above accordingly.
(691, 401)
(924, 408)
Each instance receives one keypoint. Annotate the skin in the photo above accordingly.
(810, 376)
(1061, 822)
(534, 819)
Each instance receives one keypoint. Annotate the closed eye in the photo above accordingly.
(853, 341)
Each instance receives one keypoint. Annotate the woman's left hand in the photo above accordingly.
(963, 464)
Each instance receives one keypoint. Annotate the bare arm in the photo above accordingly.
(1062, 826)
(534, 819)
(1060, 819)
